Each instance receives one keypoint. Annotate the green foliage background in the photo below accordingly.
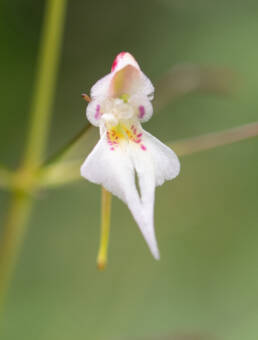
(205, 285)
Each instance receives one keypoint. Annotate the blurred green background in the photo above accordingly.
(206, 285)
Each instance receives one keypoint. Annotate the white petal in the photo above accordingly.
(114, 169)
(127, 80)
(124, 59)
(166, 162)
(94, 111)
(101, 87)
(131, 81)
(154, 163)
(143, 107)
(126, 77)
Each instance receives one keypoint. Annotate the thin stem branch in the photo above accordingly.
(54, 175)
(69, 145)
(105, 227)
(45, 81)
(215, 139)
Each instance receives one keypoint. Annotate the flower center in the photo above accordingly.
(122, 132)
(116, 110)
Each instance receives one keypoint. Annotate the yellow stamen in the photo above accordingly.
(105, 227)
(125, 97)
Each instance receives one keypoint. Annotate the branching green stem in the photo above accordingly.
(25, 179)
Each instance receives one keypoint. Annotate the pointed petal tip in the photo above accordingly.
(123, 59)
(155, 254)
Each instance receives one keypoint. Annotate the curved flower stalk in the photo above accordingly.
(125, 153)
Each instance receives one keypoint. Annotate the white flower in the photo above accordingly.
(125, 153)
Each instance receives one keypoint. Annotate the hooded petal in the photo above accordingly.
(125, 81)
(126, 77)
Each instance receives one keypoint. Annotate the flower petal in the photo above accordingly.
(124, 59)
(93, 112)
(114, 169)
(125, 78)
(165, 161)
(125, 81)
(130, 80)
(101, 87)
(154, 163)
(142, 106)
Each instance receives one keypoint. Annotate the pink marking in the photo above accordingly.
(115, 63)
(97, 114)
(134, 131)
(141, 111)
(139, 135)
(112, 149)
(137, 141)
(143, 147)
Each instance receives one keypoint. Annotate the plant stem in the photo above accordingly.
(12, 238)
(45, 81)
(215, 139)
(24, 182)
(105, 227)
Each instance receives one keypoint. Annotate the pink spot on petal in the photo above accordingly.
(143, 147)
(139, 135)
(97, 113)
(141, 111)
(112, 149)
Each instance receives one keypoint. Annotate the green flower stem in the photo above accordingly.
(45, 82)
(25, 180)
(105, 227)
